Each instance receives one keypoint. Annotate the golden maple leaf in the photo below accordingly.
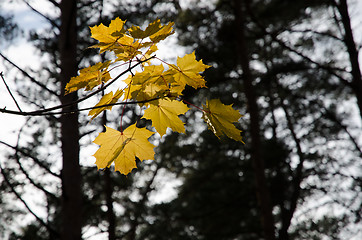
(149, 84)
(188, 71)
(152, 28)
(152, 81)
(109, 98)
(112, 38)
(89, 77)
(122, 148)
(163, 33)
(164, 113)
(220, 118)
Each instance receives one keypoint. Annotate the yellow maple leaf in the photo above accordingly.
(163, 33)
(149, 84)
(150, 75)
(122, 148)
(152, 28)
(113, 38)
(188, 71)
(220, 118)
(108, 36)
(127, 47)
(109, 98)
(164, 113)
(89, 77)
(153, 48)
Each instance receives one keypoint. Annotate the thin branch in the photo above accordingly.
(7, 87)
(41, 113)
(274, 37)
(54, 3)
(38, 105)
(37, 185)
(329, 69)
(332, 116)
(328, 114)
(86, 133)
(24, 95)
(47, 226)
(52, 22)
(36, 160)
(28, 76)
(17, 158)
(48, 111)
(297, 178)
(325, 34)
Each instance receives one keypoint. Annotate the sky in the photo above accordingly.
(21, 53)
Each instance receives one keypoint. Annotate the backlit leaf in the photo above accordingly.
(122, 148)
(109, 98)
(164, 113)
(149, 84)
(188, 71)
(220, 119)
(89, 77)
(109, 36)
(152, 28)
(163, 33)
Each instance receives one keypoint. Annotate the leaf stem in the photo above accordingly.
(201, 109)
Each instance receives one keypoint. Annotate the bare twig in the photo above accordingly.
(47, 226)
(28, 76)
(42, 113)
(51, 21)
(49, 111)
(325, 34)
(297, 178)
(36, 160)
(274, 36)
(17, 158)
(7, 87)
(54, 3)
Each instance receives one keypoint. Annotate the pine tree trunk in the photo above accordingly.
(262, 191)
(109, 203)
(71, 176)
(352, 52)
(108, 193)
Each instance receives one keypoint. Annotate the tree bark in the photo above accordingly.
(71, 176)
(288, 212)
(109, 203)
(262, 191)
(352, 52)
(109, 193)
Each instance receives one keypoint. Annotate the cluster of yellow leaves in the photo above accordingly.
(156, 88)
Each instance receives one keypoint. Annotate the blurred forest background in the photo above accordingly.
(290, 67)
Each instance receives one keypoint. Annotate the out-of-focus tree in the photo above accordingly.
(301, 75)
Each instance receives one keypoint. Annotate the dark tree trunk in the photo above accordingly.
(288, 212)
(352, 52)
(71, 176)
(109, 193)
(262, 191)
(109, 202)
